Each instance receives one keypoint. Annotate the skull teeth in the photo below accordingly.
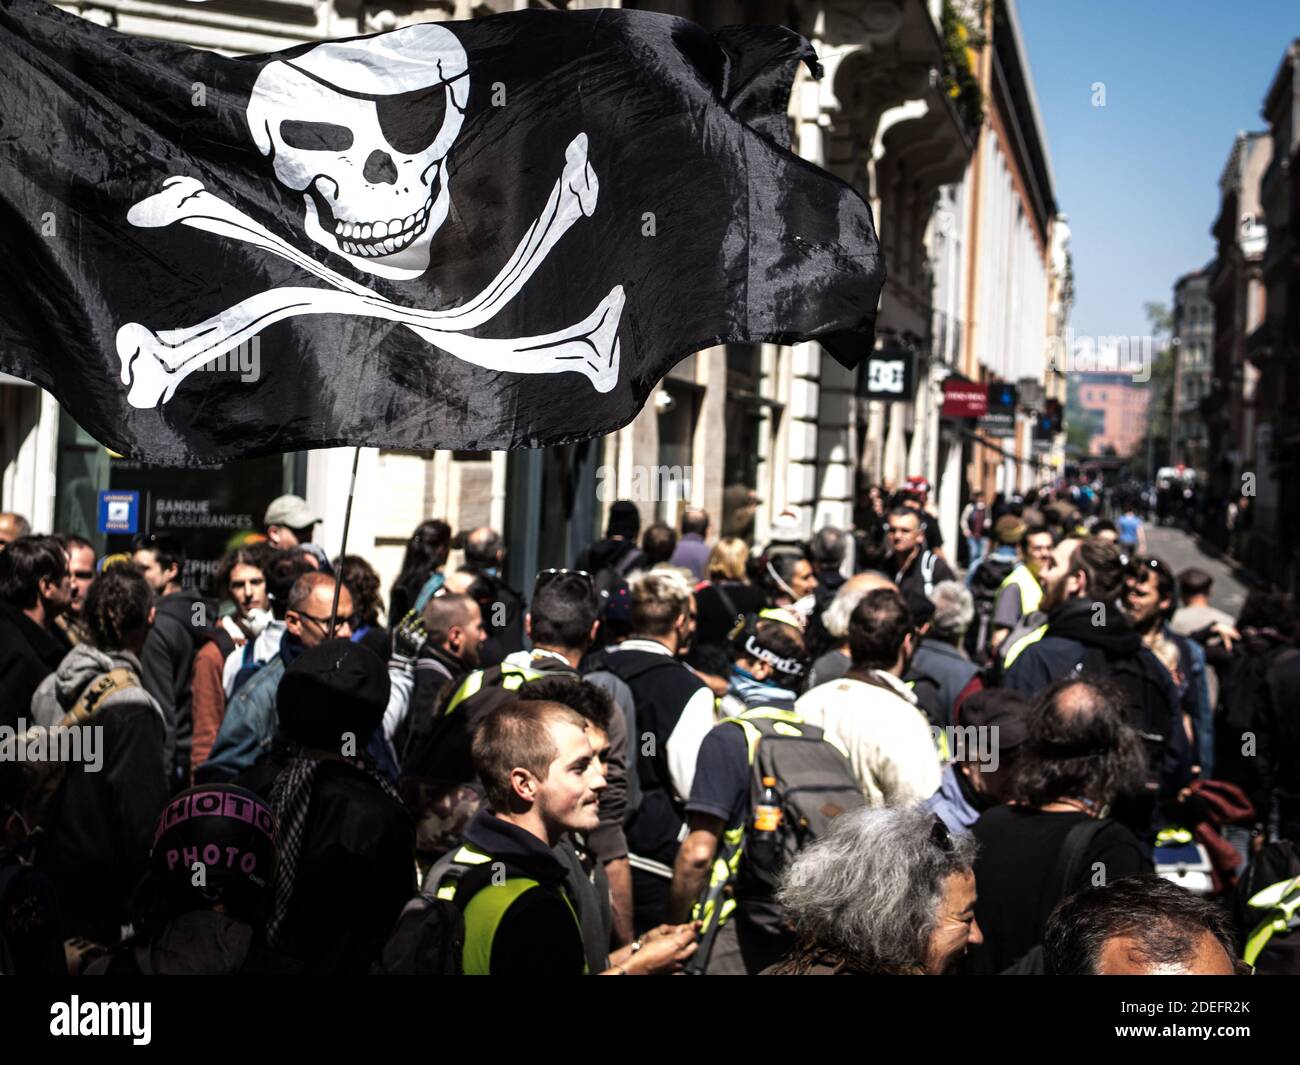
(371, 239)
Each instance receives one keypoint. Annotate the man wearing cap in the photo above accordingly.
(1021, 592)
(289, 522)
(986, 743)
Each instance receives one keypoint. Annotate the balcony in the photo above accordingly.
(1266, 345)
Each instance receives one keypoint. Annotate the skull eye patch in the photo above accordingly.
(411, 121)
(315, 136)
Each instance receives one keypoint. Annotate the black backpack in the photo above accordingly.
(429, 936)
(984, 585)
(1266, 910)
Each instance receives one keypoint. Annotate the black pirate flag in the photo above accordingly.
(474, 235)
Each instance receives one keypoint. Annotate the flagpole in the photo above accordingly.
(347, 521)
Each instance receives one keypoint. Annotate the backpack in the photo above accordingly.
(437, 781)
(429, 936)
(611, 587)
(42, 779)
(1266, 908)
(985, 582)
(1147, 706)
(815, 783)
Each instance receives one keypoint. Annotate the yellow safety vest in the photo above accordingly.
(512, 679)
(486, 909)
(1282, 901)
(1031, 592)
(1013, 652)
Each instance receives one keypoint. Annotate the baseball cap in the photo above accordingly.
(1001, 707)
(291, 511)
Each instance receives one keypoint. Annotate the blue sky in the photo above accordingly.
(1139, 176)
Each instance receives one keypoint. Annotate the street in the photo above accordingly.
(1180, 550)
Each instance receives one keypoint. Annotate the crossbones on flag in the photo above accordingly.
(471, 235)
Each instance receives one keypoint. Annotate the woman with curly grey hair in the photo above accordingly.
(887, 891)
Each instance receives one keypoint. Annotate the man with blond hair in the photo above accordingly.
(670, 711)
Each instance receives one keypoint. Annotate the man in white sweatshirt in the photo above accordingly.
(873, 713)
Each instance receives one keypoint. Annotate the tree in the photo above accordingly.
(1161, 388)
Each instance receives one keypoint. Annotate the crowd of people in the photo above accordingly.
(1038, 751)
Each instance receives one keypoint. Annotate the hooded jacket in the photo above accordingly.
(1082, 636)
(167, 663)
(97, 840)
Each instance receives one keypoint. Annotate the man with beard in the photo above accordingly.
(81, 562)
(242, 576)
(1149, 601)
(1086, 632)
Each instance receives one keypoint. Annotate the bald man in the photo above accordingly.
(835, 620)
(501, 605)
(251, 721)
(12, 526)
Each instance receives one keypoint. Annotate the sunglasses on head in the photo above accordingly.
(940, 836)
(548, 576)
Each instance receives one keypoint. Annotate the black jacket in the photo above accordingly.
(355, 873)
(179, 629)
(439, 783)
(503, 620)
(661, 687)
(1096, 638)
(539, 933)
(28, 654)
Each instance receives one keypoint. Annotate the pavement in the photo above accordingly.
(1180, 550)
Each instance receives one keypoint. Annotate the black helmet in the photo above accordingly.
(231, 833)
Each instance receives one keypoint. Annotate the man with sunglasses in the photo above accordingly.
(251, 721)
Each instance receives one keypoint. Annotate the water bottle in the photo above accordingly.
(767, 821)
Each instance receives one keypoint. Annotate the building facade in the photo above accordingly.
(1236, 286)
(1120, 407)
(1273, 347)
(1193, 339)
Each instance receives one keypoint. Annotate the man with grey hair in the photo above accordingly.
(887, 891)
(835, 619)
(940, 654)
(251, 719)
(672, 712)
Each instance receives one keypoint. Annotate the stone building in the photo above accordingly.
(1193, 338)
